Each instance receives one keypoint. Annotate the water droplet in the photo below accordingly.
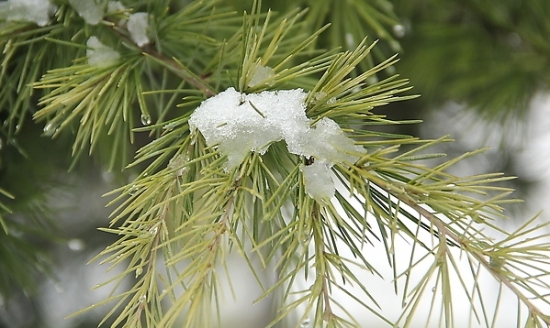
(145, 119)
(76, 245)
(372, 79)
(142, 298)
(1, 143)
(399, 30)
(497, 262)
(305, 323)
(139, 271)
(49, 129)
(319, 96)
(170, 126)
(451, 188)
(178, 164)
(153, 231)
(13, 142)
(433, 290)
(133, 190)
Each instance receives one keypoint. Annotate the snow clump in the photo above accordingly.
(100, 55)
(261, 73)
(89, 10)
(318, 179)
(36, 11)
(138, 24)
(239, 123)
(114, 6)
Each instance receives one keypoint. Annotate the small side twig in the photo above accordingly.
(170, 63)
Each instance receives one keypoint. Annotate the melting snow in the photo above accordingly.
(261, 73)
(37, 11)
(89, 10)
(318, 180)
(137, 26)
(114, 6)
(100, 55)
(238, 123)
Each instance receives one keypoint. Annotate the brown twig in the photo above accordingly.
(170, 63)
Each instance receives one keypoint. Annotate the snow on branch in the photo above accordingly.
(37, 11)
(100, 55)
(89, 10)
(238, 123)
(138, 24)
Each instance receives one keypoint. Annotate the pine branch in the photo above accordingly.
(270, 154)
(172, 64)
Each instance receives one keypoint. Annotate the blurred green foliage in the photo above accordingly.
(491, 55)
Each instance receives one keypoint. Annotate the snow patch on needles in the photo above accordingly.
(100, 55)
(89, 10)
(138, 24)
(261, 73)
(115, 6)
(238, 123)
(318, 180)
(37, 11)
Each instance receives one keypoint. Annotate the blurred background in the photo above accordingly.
(480, 66)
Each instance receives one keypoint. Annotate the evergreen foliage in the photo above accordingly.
(491, 54)
(186, 206)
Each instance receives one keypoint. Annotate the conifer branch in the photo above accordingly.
(270, 154)
(466, 244)
(180, 70)
(172, 64)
